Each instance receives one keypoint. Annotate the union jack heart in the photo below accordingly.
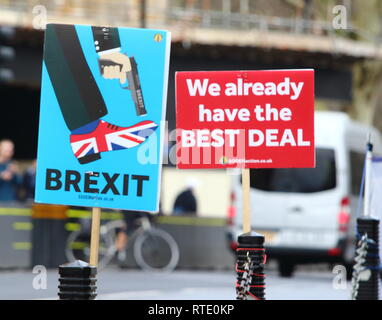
(102, 137)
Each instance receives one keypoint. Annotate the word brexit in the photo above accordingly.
(95, 182)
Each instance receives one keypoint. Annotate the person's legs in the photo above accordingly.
(124, 234)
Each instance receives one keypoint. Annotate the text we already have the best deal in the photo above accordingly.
(253, 119)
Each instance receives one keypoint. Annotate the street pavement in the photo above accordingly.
(114, 283)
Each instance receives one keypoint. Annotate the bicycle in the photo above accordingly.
(153, 249)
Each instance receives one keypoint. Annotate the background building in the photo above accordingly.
(207, 35)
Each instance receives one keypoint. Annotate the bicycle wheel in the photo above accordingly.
(78, 248)
(156, 250)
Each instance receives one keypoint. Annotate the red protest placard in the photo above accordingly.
(247, 119)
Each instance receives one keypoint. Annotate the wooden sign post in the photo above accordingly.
(245, 178)
(94, 237)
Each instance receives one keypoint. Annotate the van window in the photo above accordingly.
(357, 161)
(301, 180)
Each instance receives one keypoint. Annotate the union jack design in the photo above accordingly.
(107, 137)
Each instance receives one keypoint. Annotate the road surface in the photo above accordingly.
(114, 283)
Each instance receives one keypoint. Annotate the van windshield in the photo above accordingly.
(300, 180)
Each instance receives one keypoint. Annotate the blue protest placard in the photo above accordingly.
(103, 98)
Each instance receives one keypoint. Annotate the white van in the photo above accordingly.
(308, 215)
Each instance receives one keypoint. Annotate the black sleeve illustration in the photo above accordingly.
(76, 90)
(105, 38)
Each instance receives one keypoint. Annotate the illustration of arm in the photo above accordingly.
(107, 44)
(116, 65)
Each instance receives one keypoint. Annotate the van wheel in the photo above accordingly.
(286, 269)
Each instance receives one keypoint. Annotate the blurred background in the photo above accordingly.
(342, 44)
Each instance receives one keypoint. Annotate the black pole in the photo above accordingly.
(365, 278)
(77, 281)
(250, 248)
(368, 283)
